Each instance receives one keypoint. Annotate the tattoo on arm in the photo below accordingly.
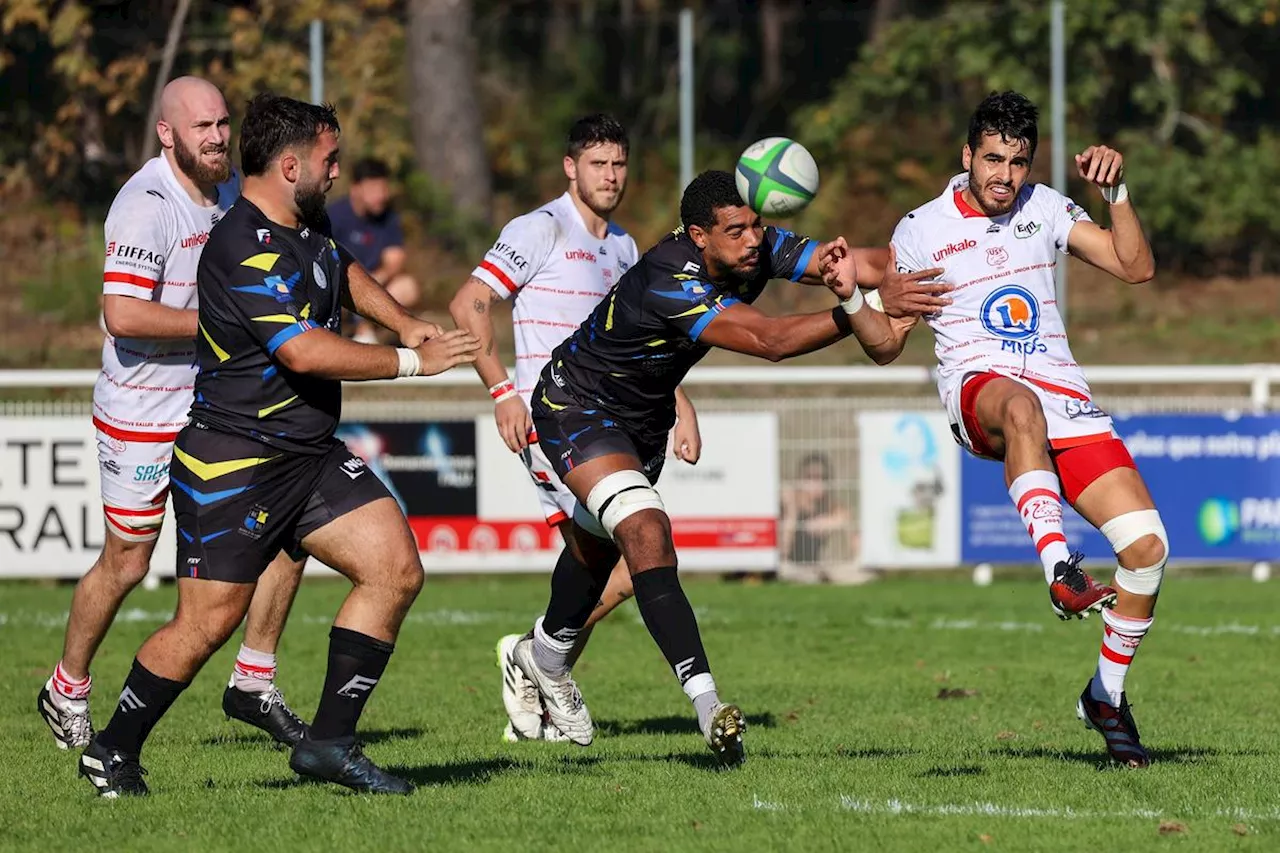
(488, 350)
(479, 306)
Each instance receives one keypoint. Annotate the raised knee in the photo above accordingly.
(1142, 546)
(1150, 550)
(1022, 412)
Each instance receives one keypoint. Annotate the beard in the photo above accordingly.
(989, 205)
(196, 169)
(601, 203)
(309, 197)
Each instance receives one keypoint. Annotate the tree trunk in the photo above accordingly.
(162, 77)
(447, 131)
(884, 14)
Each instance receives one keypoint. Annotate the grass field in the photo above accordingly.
(852, 744)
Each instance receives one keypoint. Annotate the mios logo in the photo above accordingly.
(1011, 313)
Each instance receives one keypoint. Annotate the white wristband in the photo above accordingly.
(854, 303)
(410, 362)
(1118, 194)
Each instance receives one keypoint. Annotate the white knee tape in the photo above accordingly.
(621, 495)
(1122, 531)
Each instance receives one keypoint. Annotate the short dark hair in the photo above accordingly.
(368, 168)
(596, 129)
(816, 459)
(273, 123)
(1010, 114)
(706, 194)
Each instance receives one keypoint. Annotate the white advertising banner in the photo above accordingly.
(51, 523)
(910, 490)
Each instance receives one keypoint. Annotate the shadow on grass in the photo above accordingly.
(873, 752)
(1098, 757)
(247, 737)
(672, 725)
(952, 772)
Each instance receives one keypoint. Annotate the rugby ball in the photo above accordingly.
(777, 176)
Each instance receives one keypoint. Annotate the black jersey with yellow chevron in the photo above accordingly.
(261, 284)
(630, 354)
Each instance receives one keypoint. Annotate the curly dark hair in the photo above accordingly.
(596, 129)
(273, 123)
(706, 194)
(1010, 114)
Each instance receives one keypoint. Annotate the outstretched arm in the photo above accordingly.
(1123, 250)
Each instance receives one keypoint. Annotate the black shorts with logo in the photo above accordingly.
(239, 502)
(570, 434)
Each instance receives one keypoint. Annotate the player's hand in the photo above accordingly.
(1101, 166)
(912, 294)
(838, 268)
(514, 423)
(414, 332)
(447, 350)
(686, 438)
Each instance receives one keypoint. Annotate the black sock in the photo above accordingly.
(143, 701)
(575, 591)
(669, 617)
(356, 662)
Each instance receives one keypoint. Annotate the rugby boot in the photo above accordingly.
(724, 734)
(113, 773)
(68, 719)
(266, 711)
(1116, 726)
(340, 760)
(1073, 594)
(519, 694)
(565, 708)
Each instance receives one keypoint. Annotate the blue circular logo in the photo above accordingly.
(1219, 521)
(1011, 313)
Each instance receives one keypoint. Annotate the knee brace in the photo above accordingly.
(619, 496)
(1122, 531)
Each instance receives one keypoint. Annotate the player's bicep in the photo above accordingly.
(738, 327)
(792, 256)
(520, 251)
(1091, 243)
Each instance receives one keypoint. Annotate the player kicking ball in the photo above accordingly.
(1013, 391)
(606, 400)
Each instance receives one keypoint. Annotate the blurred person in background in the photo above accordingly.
(369, 227)
(811, 517)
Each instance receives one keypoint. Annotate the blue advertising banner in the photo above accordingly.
(1215, 480)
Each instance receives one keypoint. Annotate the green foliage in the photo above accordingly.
(1179, 87)
(68, 286)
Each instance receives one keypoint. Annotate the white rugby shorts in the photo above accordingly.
(556, 500)
(135, 484)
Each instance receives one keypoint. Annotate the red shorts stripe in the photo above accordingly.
(115, 510)
(113, 277)
(130, 531)
(1056, 389)
(1048, 539)
(502, 277)
(1038, 493)
(132, 435)
(1116, 657)
(1079, 440)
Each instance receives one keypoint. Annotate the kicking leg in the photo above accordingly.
(1005, 420)
(251, 695)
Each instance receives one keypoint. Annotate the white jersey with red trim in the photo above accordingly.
(558, 271)
(154, 236)
(1004, 316)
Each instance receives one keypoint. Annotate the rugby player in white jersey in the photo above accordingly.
(556, 263)
(155, 232)
(1013, 391)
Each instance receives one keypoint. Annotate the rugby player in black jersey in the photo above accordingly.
(258, 468)
(605, 403)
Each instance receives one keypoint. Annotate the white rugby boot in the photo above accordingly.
(519, 696)
(560, 696)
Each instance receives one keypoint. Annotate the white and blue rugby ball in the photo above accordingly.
(777, 176)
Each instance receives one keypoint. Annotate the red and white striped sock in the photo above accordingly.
(68, 687)
(1120, 638)
(255, 671)
(1039, 502)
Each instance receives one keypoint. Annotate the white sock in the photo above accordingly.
(1120, 638)
(1039, 502)
(255, 672)
(551, 653)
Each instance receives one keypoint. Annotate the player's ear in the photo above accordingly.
(966, 157)
(698, 235)
(290, 167)
(570, 168)
(165, 133)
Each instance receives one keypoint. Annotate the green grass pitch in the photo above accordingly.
(851, 744)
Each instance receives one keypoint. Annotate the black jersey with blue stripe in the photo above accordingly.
(629, 356)
(261, 284)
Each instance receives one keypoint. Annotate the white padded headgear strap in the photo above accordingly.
(1124, 530)
(620, 495)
